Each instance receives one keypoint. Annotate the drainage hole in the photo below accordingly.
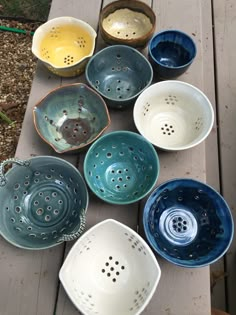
(16, 186)
(47, 217)
(114, 279)
(18, 209)
(103, 270)
(108, 274)
(39, 211)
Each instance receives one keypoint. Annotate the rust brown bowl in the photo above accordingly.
(128, 22)
(71, 117)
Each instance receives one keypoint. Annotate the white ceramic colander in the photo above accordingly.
(110, 270)
(173, 115)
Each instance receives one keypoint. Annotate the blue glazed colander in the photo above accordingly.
(43, 202)
(188, 223)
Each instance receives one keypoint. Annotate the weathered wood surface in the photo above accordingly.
(29, 280)
(225, 46)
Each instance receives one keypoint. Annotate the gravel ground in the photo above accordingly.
(17, 67)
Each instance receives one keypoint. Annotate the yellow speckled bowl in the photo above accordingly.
(129, 22)
(64, 45)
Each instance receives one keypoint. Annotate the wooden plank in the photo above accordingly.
(29, 279)
(98, 210)
(188, 287)
(224, 26)
(211, 147)
(185, 286)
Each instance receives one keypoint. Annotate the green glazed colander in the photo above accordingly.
(121, 167)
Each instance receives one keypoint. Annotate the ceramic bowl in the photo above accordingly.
(173, 115)
(43, 202)
(127, 22)
(171, 52)
(100, 271)
(121, 167)
(119, 73)
(64, 45)
(71, 117)
(188, 223)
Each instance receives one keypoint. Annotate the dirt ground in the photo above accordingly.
(17, 67)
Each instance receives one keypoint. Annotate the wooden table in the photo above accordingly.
(29, 279)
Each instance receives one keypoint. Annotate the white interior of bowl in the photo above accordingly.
(110, 275)
(173, 115)
(58, 39)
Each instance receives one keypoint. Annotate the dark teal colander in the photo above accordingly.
(43, 202)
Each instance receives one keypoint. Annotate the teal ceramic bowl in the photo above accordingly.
(43, 202)
(71, 117)
(119, 73)
(121, 167)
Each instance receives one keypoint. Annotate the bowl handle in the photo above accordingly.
(75, 235)
(3, 179)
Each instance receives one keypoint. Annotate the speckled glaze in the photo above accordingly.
(43, 202)
(171, 52)
(71, 117)
(119, 73)
(127, 22)
(188, 223)
(121, 167)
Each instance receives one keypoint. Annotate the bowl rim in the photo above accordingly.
(98, 226)
(111, 134)
(148, 234)
(190, 86)
(114, 47)
(177, 32)
(63, 20)
(127, 4)
(54, 158)
(74, 148)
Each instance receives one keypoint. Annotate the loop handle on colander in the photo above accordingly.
(3, 180)
(75, 235)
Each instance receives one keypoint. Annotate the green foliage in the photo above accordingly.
(28, 9)
(6, 118)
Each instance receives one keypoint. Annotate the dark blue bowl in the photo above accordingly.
(188, 223)
(171, 52)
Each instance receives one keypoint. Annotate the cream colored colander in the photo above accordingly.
(110, 271)
(127, 22)
(64, 45)
(173, 115)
